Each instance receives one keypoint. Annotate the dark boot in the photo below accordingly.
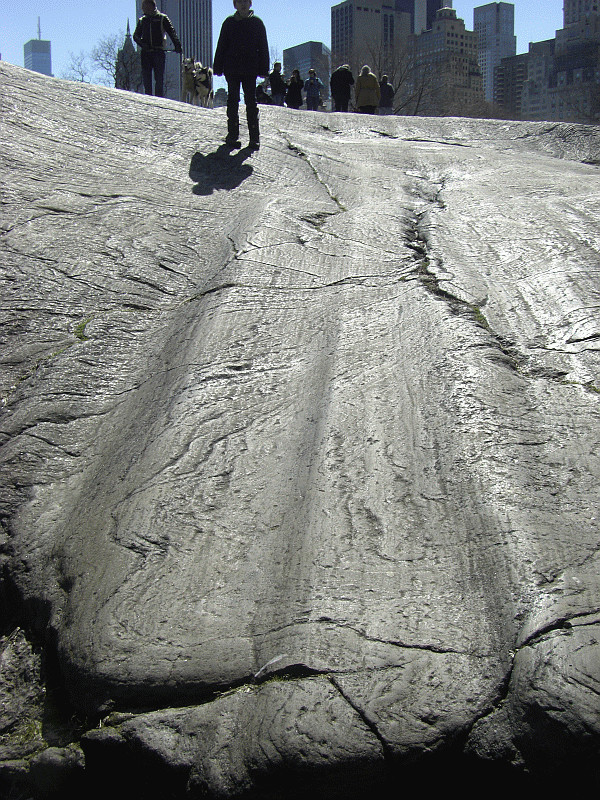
(233, 124)
(233, 132)
(254, 136)
(252, 114)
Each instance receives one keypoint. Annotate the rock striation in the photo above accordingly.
(300, 449)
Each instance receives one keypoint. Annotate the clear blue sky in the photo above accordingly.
(76, 25)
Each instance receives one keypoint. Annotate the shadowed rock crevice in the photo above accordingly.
(298, 448)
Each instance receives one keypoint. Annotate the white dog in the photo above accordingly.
(196, 83)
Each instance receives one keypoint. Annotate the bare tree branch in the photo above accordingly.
(78, 68)
(104, 57)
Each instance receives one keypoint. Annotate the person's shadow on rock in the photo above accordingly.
(222, 169)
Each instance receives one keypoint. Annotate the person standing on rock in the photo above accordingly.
(367, 91)
(341, 82)
(312, 88)
(242, 55)
(278, 84)
(386, 101)
(150, 34)
(293, 97)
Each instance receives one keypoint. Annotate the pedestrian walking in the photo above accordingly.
(367, 91)
(341, 84)
(150, 34)
(386, 100)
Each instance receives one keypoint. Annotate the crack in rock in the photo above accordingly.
(371, 725)
(301, 154)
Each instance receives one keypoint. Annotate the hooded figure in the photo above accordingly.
(293, 97)
(341, 82)
(386, 101)
(367, 91)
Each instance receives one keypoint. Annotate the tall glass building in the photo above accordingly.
(494, 25)
(422, 12)
(37, 56)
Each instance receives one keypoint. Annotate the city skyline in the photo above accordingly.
(74, 28)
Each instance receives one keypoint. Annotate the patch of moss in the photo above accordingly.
(480, 317)
(590, 386)
(79, 330)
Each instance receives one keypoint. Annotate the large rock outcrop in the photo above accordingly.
(300, 449)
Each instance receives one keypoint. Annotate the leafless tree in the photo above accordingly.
(98, 66)
(109, 63)
(78, 68)
(104, 58)
(415, 85)
(581, 102)
(275, 55)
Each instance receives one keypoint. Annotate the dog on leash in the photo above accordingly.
(196, 83)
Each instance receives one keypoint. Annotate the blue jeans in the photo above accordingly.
(153, 61)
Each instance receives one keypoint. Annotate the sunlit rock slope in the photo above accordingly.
(300, 448)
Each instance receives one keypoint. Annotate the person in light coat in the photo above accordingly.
(367, 91)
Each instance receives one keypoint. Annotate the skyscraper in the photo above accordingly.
(509, 78)
(494, 25)
(192, 20)
(367, 33)
(446, 77)
(433, 6)
(576, 10)
(422, 12)
(406, 7)
(37, 54)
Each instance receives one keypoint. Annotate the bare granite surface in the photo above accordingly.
(299, 449)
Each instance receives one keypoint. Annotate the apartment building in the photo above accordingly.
(367, 32)
(447, 76)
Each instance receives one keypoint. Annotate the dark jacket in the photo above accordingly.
(278, 84)
(387, 95)
(293, 97)
(340, 83)
(150, 32)
(242, 48)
